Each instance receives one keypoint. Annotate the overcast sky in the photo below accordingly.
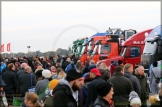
(39, 24)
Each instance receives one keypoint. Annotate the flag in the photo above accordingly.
(8, 47)
(2, 48)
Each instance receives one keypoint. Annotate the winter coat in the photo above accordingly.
(70, 66)
(10, 79)
(63, 96)
(40, 88)
(92, 94)
(24, 83)
(144, 87)
(100, 102)
(2, 67)
(122, 88)
(135, 82)
(22, 71)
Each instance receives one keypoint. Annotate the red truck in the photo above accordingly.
(131, 49)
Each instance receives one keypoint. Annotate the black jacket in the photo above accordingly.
(100, 102)
(135, 82)
(10, 79)
(122, 88)
(24, 82)
(62, 96)
(65, 64)
(92, 94)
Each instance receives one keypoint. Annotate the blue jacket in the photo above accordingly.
(69, 67)
(2, 67)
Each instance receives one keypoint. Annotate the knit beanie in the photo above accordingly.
(46, 73)
(53, 83)
(103, 88)
(73, 75)
(134, 98)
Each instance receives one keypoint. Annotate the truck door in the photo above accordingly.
(133, 55)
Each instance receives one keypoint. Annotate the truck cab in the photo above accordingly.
(153, 47)
(131, 49)
(111, 46)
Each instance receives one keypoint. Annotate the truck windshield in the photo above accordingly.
(123, 51)
(95, 49)
(150, 48)
(156, 31)
(83, 49)
(105, 49)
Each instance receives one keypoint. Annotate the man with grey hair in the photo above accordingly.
(25, 81)
(22, 70)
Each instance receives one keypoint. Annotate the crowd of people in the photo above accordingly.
(66, 82)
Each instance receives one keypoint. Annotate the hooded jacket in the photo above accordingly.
(63, 95)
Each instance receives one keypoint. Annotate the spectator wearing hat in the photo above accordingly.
(42, 84)
(105, 92)
(66, 93)
(122, 87)
(92, 94)
(134, 99)
(3, 100)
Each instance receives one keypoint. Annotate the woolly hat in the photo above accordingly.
(2, 84)
(134, 98)
(96, 71)
(73, 75)
(103, 88)
(46, 73)
(53, 83)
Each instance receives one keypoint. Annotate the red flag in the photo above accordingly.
(2, 48)
(8, 47)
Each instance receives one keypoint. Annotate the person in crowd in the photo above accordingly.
(92, 64)
(105, 73)
(61, 75)
(105, 92)
(154, 73)
(122, 87)
(79, 67)
(22, 70)
(66, 93)
(10, 79)
(53, 69)
(140, 74)
(58, 70)
(3, 100)
(26, 80)
(136, 66)
(42, 84)
(70, 66)
(120, 63)
(17, 66)
(30, 100)
(92, 94)
(2, 66)
(38, 73)
(66, 63)
(86, 68)
(128, 70)
(112, 67)
(47, 100)
(134, 99)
